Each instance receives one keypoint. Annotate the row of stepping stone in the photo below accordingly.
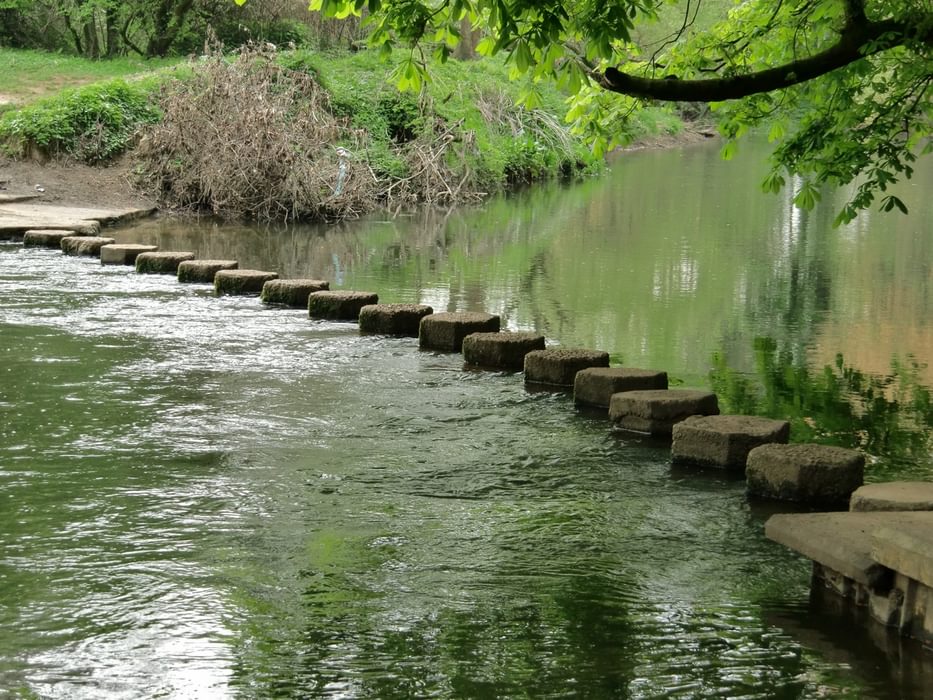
(636, 399)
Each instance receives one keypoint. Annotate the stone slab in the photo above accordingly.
(842, 541)
(657, 411)
(203, 270)
(19, 217)
(241, 282)
(595, 386)
(46, 238)
(504, 350)
(293, 292)
(163, 262)
(818, 474)
(123, 253)
(559, 366)
(84, 245)
(393, 319)
(724, 440)
(446, 331)
(907, 547)
(893, 495)
(339, 305)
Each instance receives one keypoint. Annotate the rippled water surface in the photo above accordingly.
(205, 498)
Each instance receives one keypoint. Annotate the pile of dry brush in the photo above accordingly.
(247, 138)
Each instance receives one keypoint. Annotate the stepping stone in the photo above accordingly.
(45, 238)
(559, 366)
(84, 245)
(292, 293)
(393, 319)
(595, 386)
(893, 495)
(123, 253)
(162, 262)
(505, 350)
(203, 270)
(339, 306)
(239, 282)
(446, 331)
(819, 474)
(657, 411)
(724, 441)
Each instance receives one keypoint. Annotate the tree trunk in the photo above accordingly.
(168, 21)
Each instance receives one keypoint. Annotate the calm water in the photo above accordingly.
(205, 498)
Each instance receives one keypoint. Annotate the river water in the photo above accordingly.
(205, 498)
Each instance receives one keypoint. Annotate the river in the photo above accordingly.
(206, 498)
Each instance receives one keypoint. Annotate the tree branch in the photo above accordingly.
(859, 38)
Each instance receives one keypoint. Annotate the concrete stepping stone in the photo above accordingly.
(84, 245)
(724, 441)
(241, 282)
(595, 386)
(505, 350)
(559, 366)
(393, 319)
(123, 253)
(339, 305)
(893, 495)
(45, 238)
(818, 474)
(161, 262)
(203, 270)
(446, 331)
(657, 411)
(292, 293)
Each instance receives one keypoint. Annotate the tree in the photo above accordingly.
(844, 85)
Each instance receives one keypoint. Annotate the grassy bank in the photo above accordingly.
(461, 137)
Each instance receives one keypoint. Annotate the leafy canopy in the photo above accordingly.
(843, 86)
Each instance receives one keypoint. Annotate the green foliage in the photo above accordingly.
(92, 124)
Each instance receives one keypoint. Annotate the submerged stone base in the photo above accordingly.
(84, 245)
(339, 306)
(724, 441)
(123, 253)
(504, 350)
(446, 331)
(393, 319)
(240, 282)
(893, 495)
(658, 411)
(595, 386)
(880, 561)
(818, 474)
(559, 366)
(162, 262)
(45, 238)
(203, 271)
(292, 293)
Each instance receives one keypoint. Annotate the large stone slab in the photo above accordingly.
(163, 262)
(504, 350)
(893, 495)
(446, 331)
(657, 411)
(241, 282)
(46, 238)
(595, 386)
(18, 217)
(339, 305)
(724, 441)
(393, 319)
(559, 366)
(294, 292)
(818, 474)
(123, 253)
(84, 245)
(907, 547)
(203, 270)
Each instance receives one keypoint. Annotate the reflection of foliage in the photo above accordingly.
(888, 416)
